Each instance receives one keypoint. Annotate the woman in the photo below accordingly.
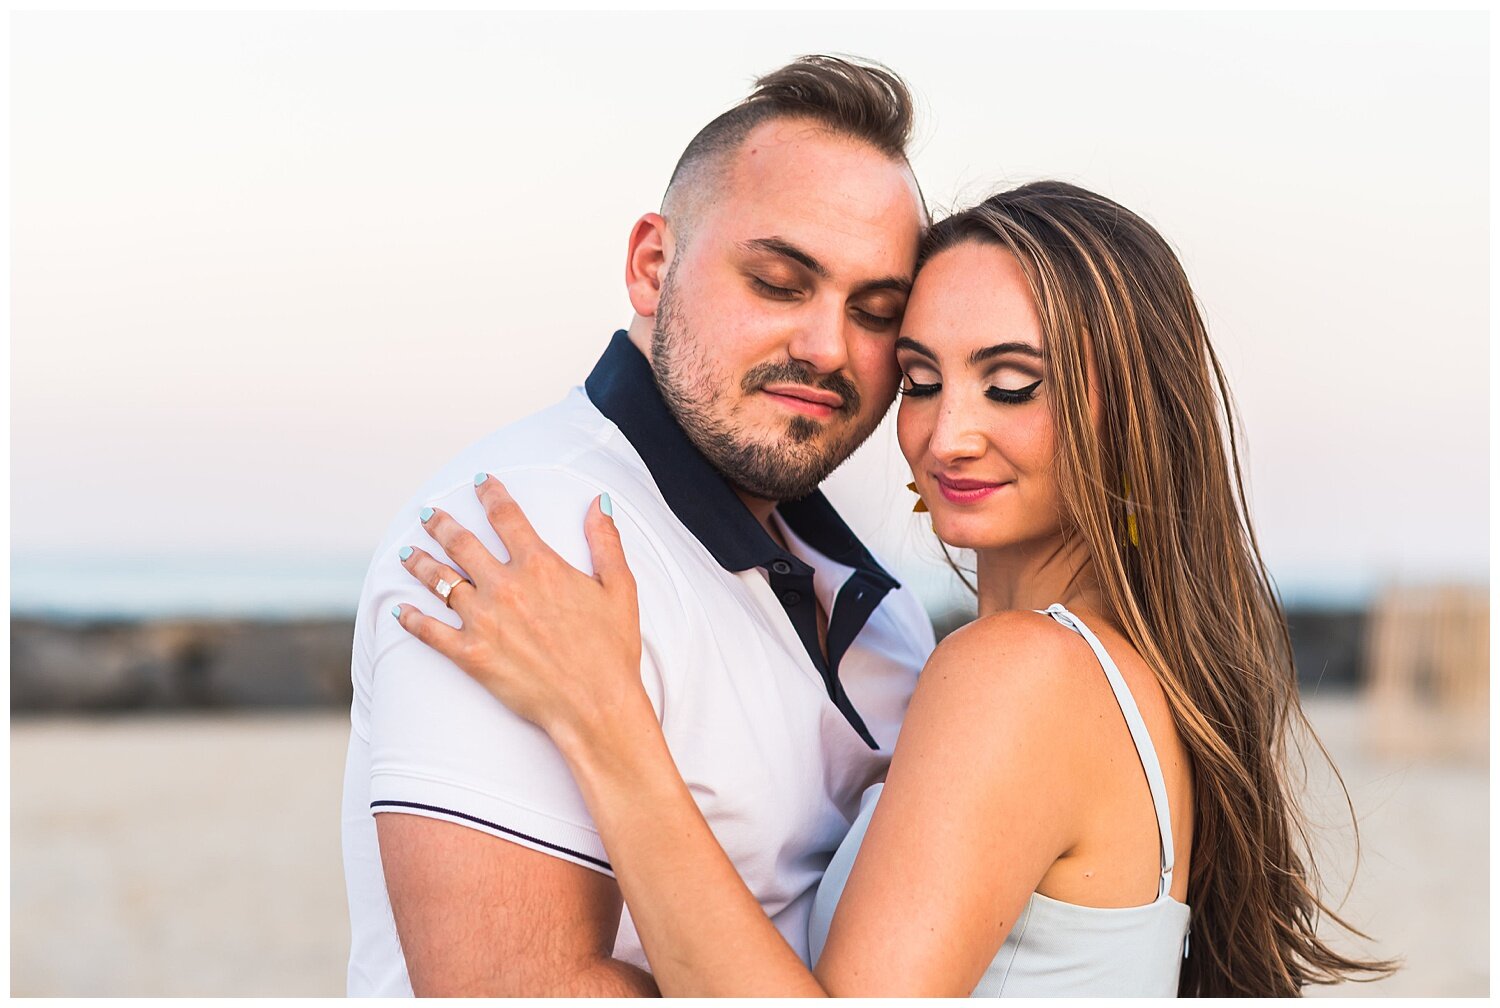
(1100, 750)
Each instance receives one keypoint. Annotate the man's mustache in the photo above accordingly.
(797, 374)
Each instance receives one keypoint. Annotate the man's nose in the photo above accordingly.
(821, 341)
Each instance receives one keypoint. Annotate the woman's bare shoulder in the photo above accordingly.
(1012, 677)
(1018, 650)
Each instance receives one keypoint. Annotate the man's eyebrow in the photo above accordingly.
(900, 284)
(1000, 349)
(785, 249)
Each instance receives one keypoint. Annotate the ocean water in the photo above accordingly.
(269, 585)
(71, 586)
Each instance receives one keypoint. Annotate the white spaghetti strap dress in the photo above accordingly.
(1059, 949)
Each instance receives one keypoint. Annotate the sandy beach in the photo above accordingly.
(199, 855)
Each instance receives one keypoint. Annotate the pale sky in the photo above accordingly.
(271, 270)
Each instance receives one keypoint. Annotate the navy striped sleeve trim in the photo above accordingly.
(496, 826)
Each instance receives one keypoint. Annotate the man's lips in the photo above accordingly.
(966, 491)
(804, 399)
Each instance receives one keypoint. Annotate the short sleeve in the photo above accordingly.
(440, 744)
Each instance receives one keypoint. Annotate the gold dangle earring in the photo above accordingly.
(920, 506)
(1131, 528)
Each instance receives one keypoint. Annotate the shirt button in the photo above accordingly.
(781, 567)
(790, 598)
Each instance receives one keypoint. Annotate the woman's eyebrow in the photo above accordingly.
(1000, 349)
(978, 356)
(907, 343)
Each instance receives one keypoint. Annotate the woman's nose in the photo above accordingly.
(957, 435)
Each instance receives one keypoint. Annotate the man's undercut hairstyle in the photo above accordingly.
(859, 99)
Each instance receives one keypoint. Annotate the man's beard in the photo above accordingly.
(787, 468)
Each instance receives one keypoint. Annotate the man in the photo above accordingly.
(778, 653)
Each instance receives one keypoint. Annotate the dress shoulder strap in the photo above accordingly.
(1138, 734)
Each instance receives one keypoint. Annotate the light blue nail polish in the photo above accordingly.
(405, 552)
(479, 478)
(396, 612)
(426, 514)
(606, 505)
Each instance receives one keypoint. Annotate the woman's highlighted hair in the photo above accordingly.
(1178, 563)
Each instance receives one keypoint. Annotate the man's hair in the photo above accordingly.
(859, 99)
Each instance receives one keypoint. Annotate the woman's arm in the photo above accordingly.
(702, 929)
(968, 823)
(980, 801)
(974, 812)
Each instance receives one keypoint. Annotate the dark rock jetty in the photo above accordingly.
(187, 664)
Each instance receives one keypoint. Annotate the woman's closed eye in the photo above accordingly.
(915, 389)
(918, 390)
(1019, 395)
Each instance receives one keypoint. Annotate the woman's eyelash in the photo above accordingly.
(1019, 395)
(914, 389)
(917, 390)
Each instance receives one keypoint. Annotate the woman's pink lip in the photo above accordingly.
(958, 491)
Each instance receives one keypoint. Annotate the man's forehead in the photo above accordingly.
(807, 156)
(820, 191)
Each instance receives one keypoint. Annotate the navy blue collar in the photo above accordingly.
(623, 388)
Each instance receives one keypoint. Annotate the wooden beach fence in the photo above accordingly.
(1428, 663)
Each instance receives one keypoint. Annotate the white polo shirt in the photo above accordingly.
(776, 743)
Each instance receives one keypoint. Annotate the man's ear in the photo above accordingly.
(646, 262)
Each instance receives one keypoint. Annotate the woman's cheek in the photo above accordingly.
(909, 431)
(1039, 443)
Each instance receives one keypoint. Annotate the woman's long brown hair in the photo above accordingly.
(1189, 590)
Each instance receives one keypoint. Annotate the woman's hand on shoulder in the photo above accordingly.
(559, 647)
